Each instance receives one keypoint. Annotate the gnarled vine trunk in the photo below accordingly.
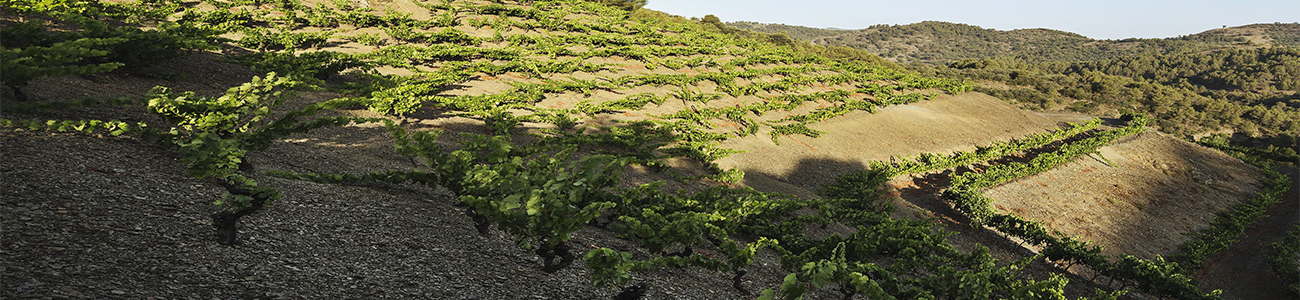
(549, 254)
(225, 221)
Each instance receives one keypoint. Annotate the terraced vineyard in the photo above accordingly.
(590, 136)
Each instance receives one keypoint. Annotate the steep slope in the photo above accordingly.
(947, 124)
(1135, 196)
(492, 149)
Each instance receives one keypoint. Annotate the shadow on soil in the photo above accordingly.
(919, 197)
(1145, 198)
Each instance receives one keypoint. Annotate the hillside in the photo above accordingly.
(934, 42)
(565, 149)
(796, 32)
(1275, 34)
(1239, 81)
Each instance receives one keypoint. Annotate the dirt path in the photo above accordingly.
(1243, 271)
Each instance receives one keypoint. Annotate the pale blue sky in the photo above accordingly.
(1105, 19)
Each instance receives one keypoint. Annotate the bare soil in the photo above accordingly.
(113, 218)
(942, 125)
(1138, 197)
(1237, 271)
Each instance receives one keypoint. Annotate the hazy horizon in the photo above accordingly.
(1107, 19)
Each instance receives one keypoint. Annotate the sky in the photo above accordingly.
(1099, 19)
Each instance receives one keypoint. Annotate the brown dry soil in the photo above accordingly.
(1137, 197)
(1143, 194)
(1242, 269)
(943, 125)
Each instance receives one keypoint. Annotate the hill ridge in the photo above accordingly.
(901, 43)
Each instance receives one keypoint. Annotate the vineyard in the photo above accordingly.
(517, 150)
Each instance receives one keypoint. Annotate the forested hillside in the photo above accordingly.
(1252, 92)
(1270, 34)
(934, 42)
(796, 32)
(1240, 79)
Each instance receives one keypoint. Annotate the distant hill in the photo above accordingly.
(1274, 34)
(936, 42)
(1242, 79)
(801, 33)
